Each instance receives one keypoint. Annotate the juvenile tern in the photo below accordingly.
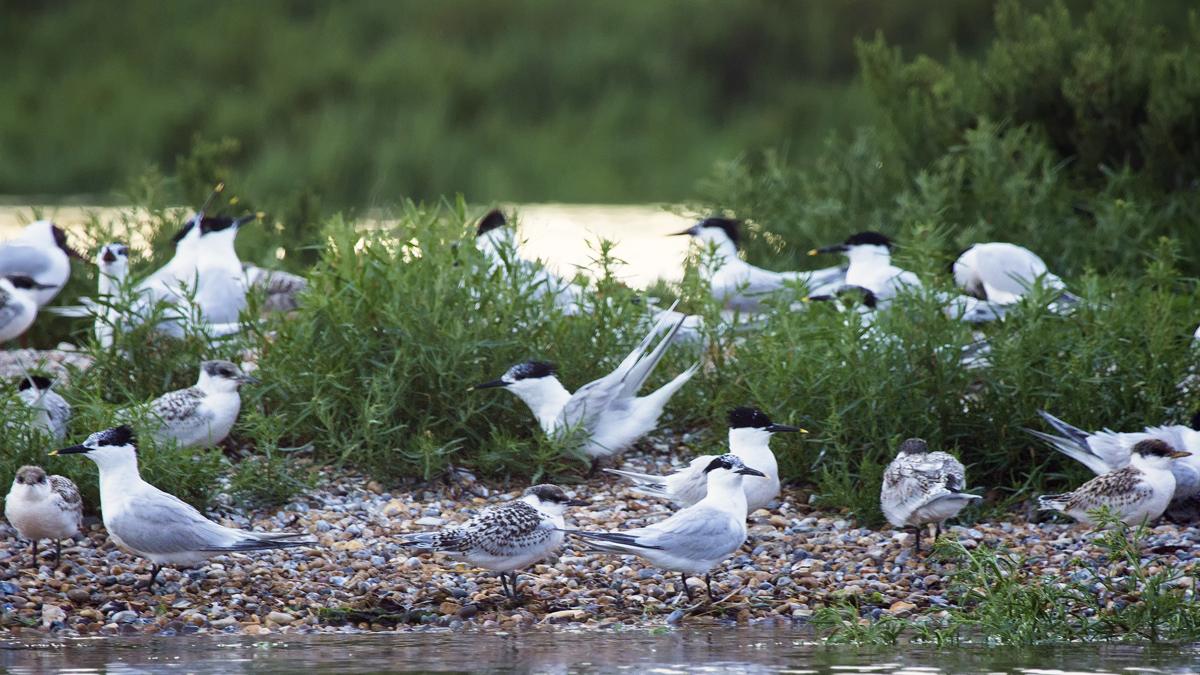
(201, 415)
(1105, 451)
(1003, 273)
(43, 507)
(505, 538)
(750, 433)
(870, 255)
(1135, 494)
(18, 305)
(41, 253)
(922, 487)
(51, 412)
(695, 539)
(156, 525)
(281, 290)
(608, 411)
(738, 284)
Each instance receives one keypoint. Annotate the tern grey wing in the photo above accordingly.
(25, 260)
(162, 524)
(639, 372)
(1113, 489)
(588, 403)
(281, 288)
(697, 532)
(179, 405)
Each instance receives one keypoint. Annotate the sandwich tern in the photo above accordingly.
(18, 305)
(113, 263)
(922, 487)
(41, 253)
(1106, 450)
(870, 255)
(201, 415)
(51, 412)
(693, 540)
(156, 525)
(1137, 493)
(505, 538)
(750, 433)
(738, 284)
(1003, 273)
(41, 506)
(608, 410)
(498, 244)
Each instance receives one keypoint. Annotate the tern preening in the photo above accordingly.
(1003, 273)
(870, 256)
(750, 432)
(922, 487)
(156, 525)
(1136, 494)
(42, 506)
(505, 538)
(1106, 450)
(738, 284)
(51, 412)
(607, 412)
(18, 305)
(693, 540)
(40, 253)
(203, 414)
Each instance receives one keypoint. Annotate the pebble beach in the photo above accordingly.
(357, 579)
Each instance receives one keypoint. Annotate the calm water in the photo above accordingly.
(685, 650)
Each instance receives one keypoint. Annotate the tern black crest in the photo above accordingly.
(216, 223)
(221, 369)
(732, 227)
(869, 239)
(745, 417)
(730, 462)
(34, 382)
(548, 493)
(491, 221)
(1153, 447)
(31, 475)
(866, 295)
(116, 436)
(1196, 421)
(914, 446)
(60, 238)
(531, 370)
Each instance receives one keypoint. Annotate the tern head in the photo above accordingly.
(1155, 453)
(730, 465)
(490, 221)
(865, 297)
(222, 376)
(914, 446)
(113, 259)
(748, 424)
(550, 499)
(715, 230)
(31, 482)
(526, 376)
(35, 382)
(109, 449)
(862, 244)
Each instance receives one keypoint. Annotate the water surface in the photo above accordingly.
(707, 649)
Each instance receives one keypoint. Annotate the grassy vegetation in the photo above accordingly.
(995, 599)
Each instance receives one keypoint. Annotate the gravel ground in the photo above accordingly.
(14, 363)
(797, 559)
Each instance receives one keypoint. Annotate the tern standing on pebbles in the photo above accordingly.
(504, 538)
(608, 410)
(1136, 494)
(922, 487)
(696, 539)
(51, 412)
(155, 525)
(750, 432)
(40, 506)
(201, 415)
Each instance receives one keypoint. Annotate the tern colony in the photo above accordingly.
(1139, 473)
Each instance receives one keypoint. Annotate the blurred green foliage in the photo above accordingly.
(366, 102)
(1077, 135)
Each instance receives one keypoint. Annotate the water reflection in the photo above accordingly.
(686, 650)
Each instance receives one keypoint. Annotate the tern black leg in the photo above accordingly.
(514, 580)
(687, 591)
(917, 539)
(58, 551)
(35, 553)
(154, 569)
(937, 532)
(504, 584)
(708, 582)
